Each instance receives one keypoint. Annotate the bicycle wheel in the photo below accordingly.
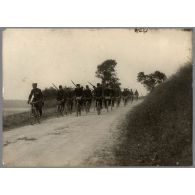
(86, 107)
(112, 104)
(78, 109)
(38, 117)
(98, 108)
(69, 110)
(61, 110)
(31, 117)
(125, 102)
(107, 105)
(58, 110)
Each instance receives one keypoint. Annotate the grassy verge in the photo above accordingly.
(22, 119)
(159, 130)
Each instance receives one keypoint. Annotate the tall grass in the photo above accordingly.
(159, 130)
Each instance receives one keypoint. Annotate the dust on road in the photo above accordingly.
(68, 141)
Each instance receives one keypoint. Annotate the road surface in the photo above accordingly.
(68, 141)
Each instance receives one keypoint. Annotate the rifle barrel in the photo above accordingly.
(91, 84)
(73, 83)
(54, 86)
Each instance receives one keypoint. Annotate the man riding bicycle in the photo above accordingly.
(125, 96)
(112, 96)
(70, 99)
(136, 94)
(78, 97)
(60, 99)
(37, 98)
(98, 93)
(87, 97)
(131, 95)
(117, 94)
(107, 98)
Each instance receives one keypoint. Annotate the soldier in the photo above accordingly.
(136, 94)
(60, 99)
(87, 98)
(37, 98)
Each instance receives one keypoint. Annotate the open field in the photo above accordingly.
(14, 107)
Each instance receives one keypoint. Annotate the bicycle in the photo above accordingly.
(87, 104)
(98, 105)
(112, 102)
(34, 113)
(107, 102)
(131, 98)
(125, 99)
(60, 108)
(118, 100)
(136, 97)
(78, 106)
(94, 103)
(69, 105)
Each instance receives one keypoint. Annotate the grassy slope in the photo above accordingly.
(159, 130)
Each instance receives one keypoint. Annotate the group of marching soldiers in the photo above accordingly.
(106, 96)
(103, 95)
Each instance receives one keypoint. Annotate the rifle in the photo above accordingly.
(55, 86)
(73, 83)
(92, 84)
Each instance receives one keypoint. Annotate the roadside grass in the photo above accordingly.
(158, 132)
(21, 119)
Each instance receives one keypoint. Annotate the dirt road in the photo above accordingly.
(68, 141)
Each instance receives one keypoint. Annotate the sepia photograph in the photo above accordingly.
(97, 97)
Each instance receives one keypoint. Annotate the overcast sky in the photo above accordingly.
(58, 56)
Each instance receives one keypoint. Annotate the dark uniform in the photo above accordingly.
(136, 95)
(131, 95)
(125, 96)
(98, 93)
(61, 97)
(87, 95)
(87, 98)
(125, 93)
(106, 92)
(112, 96)
(107, 95)
(117, 94)
(70, 99)
(79, 94)
(38, 98)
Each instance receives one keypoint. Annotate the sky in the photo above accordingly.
(59, 55)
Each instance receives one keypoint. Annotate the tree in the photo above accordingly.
(49, 93)
(150, 81)
(107, 73)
